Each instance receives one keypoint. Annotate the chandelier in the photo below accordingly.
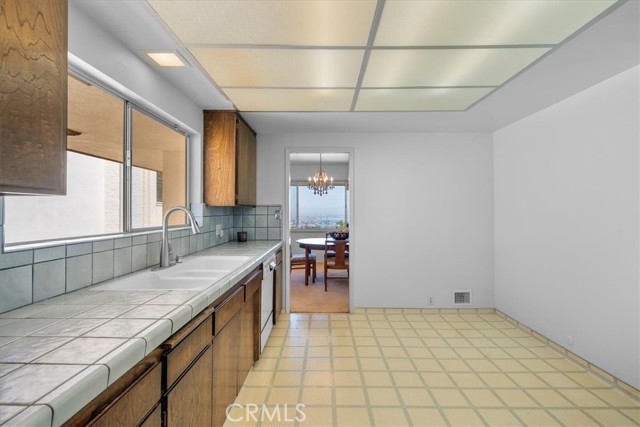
(321, 183)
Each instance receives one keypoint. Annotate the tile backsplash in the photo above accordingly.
(32, 275)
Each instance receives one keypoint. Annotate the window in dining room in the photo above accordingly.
(310, 211)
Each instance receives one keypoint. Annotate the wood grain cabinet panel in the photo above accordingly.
(229, 160)
(33, 96)
(225, 370)
(278, 284)
(189, 403)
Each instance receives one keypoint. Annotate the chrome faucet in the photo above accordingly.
(165, 249)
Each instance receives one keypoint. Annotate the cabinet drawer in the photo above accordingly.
(225, 311)
(135, 403)
(179, 359)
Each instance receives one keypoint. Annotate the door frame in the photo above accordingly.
(285, 220)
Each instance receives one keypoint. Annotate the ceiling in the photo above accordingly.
(311, 57)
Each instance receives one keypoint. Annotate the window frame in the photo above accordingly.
(297, 185)
(126, 211)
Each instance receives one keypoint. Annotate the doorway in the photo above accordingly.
(313, 213)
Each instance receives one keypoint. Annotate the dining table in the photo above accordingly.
(313, 243)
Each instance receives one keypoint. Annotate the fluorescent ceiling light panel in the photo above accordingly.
(445, 99)
(291, 99)
(167, 59)
(446, 67)
(316, 68)
(485, 22)
(305, 23)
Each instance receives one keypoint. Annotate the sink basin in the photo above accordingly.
(194, 273)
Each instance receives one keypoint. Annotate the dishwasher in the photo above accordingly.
(266, 310)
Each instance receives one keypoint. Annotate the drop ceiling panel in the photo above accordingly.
(449, 67)
(486, 22)
(291, 99)
(307, 23)
(318, 68)
(440, 99)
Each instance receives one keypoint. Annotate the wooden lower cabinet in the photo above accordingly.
(154, 419)
(278, 287)
(189, 401)
(225, 369)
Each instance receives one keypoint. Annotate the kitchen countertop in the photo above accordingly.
(57, 355)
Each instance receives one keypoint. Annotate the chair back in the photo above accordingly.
(337, 250)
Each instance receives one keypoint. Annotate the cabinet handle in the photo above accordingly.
(273, 266)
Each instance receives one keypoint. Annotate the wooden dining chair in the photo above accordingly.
(335, 258)
(299, 261)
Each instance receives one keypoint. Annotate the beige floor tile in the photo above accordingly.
(362, 332)
(444, 353)
(527, 380)
(259, 378)
(466, 380)
(415, 396)
(434, 343)
(373, 379)
(407, 379)
(469, 353)
(265, 364)
(317, 396)
(365, 341)
(350, 396)
(427, 365)
(458, 343)
(372, 364)
(353, 417)
(382, 396)
(499, 418)
(516, 398)
(282, 395)
(406, 333)
(582, 398)
(295, 341)
(317, 417)
(587, 379)
(255, 395)
(426, 417)
(634, 414)
(318, 364)
(483, 398)
(494, 353)
(271, 352)
(536, 417)
(418, 352)
(556, 380)
(411, 342)
(616, 398)
(436, 379)
(291, 364)
(611, 417)
(565, 365)
(293, 352)
(347, 378)
(454, 365)
(344, 351)
(323, 378)
(463, 418)
(319, 341)
(548, 353)
(389, 417)
(497, 380)
(549, 398)
(342, 340)
(510, 365)
(449, 397)
(318, 352)
(345, 363)
(239, 418)
(481, 365)
(384, 332)
(399, 364)
(537, 365)
(388, 342)
(284, 378)
(394, 352)
(573, 418)
(369, 352)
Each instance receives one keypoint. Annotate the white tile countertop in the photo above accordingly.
(59, 354)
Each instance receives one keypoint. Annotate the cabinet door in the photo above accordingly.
(225, 369)
(245, 356)
(219, 158)
(189, 403)
(33, 97)
(246, 165)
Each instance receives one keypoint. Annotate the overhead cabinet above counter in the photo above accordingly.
(229, 160)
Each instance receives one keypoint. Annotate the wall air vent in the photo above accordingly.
(462, 297)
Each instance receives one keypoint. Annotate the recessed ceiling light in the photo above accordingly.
(168, 59)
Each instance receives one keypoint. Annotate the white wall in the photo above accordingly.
(301, 172)
(567, 225)
(425, 198)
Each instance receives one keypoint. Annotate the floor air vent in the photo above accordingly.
(462, 297)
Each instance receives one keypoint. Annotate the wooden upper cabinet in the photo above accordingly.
(33, 97)
(229, 160)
